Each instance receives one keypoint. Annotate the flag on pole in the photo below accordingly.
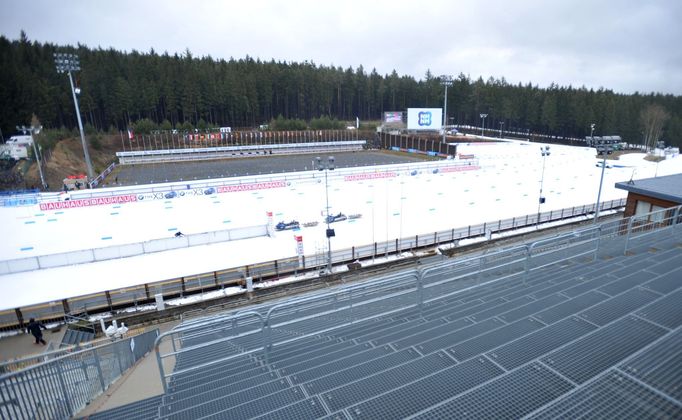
(357, 122)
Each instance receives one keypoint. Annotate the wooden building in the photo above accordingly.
(652, 195)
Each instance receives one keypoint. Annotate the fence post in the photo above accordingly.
(627, 236)
(526, 268)
(266, 339)
(99, 369)
(676, 216)
(420, 290)
(63, 385)
(159, 363)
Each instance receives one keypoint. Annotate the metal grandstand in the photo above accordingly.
(566, 326)
(581, 324)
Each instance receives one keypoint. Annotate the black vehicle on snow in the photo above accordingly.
(336, 218)
(286, 226)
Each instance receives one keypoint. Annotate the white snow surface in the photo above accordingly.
(506, 185)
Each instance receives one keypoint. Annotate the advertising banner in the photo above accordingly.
(424, 118)
(393, 117)
(250, 187)
(369, 175)
(299, 249)
(88, 202)
(271, 223)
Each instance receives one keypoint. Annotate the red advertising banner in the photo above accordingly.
(88, 202)
(251, 187)
(370, 175)
(460, 168)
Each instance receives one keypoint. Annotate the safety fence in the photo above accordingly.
(60, 387)
(216, 280)
(261, 326)
(228, 152)
(168, 140)
(19, 198)
(417, 144)
(129, 250)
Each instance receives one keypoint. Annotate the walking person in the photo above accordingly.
(34, 328)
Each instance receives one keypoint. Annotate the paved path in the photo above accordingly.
(23, 345)
(138, 383)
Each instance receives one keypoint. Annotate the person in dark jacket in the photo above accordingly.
(34, 328)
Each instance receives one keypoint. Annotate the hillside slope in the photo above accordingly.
(67, 158)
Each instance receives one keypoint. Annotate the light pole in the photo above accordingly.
(445, 80)
(501, 127)
(66, 63)
(544, 151)
(35, 130)
(326, 167)
(483, 122)
(604, 150)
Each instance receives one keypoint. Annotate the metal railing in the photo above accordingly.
(81, 322)
(396, 292)
(61, 387)
(275, 269)
(201, 153)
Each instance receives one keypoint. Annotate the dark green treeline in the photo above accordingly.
(119, 88)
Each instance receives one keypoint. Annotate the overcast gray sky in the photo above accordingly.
(624, 45)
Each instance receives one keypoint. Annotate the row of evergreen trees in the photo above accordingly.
(119, 88)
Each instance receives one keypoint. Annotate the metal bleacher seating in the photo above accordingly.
(584, 324)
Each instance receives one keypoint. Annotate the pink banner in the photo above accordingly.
(371, 175)
(460, 168)
(251, 187)
(100, 201)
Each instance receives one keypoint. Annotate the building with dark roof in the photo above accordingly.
(652, 194)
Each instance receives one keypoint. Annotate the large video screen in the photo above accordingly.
(424, 118)
(393, 117)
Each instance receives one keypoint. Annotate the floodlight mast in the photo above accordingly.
(326, 167)
(544, 152)
(445, 80)
(35, 130)
(604, 149)
(66, 63)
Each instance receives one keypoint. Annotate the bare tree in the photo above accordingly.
(653, 117)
